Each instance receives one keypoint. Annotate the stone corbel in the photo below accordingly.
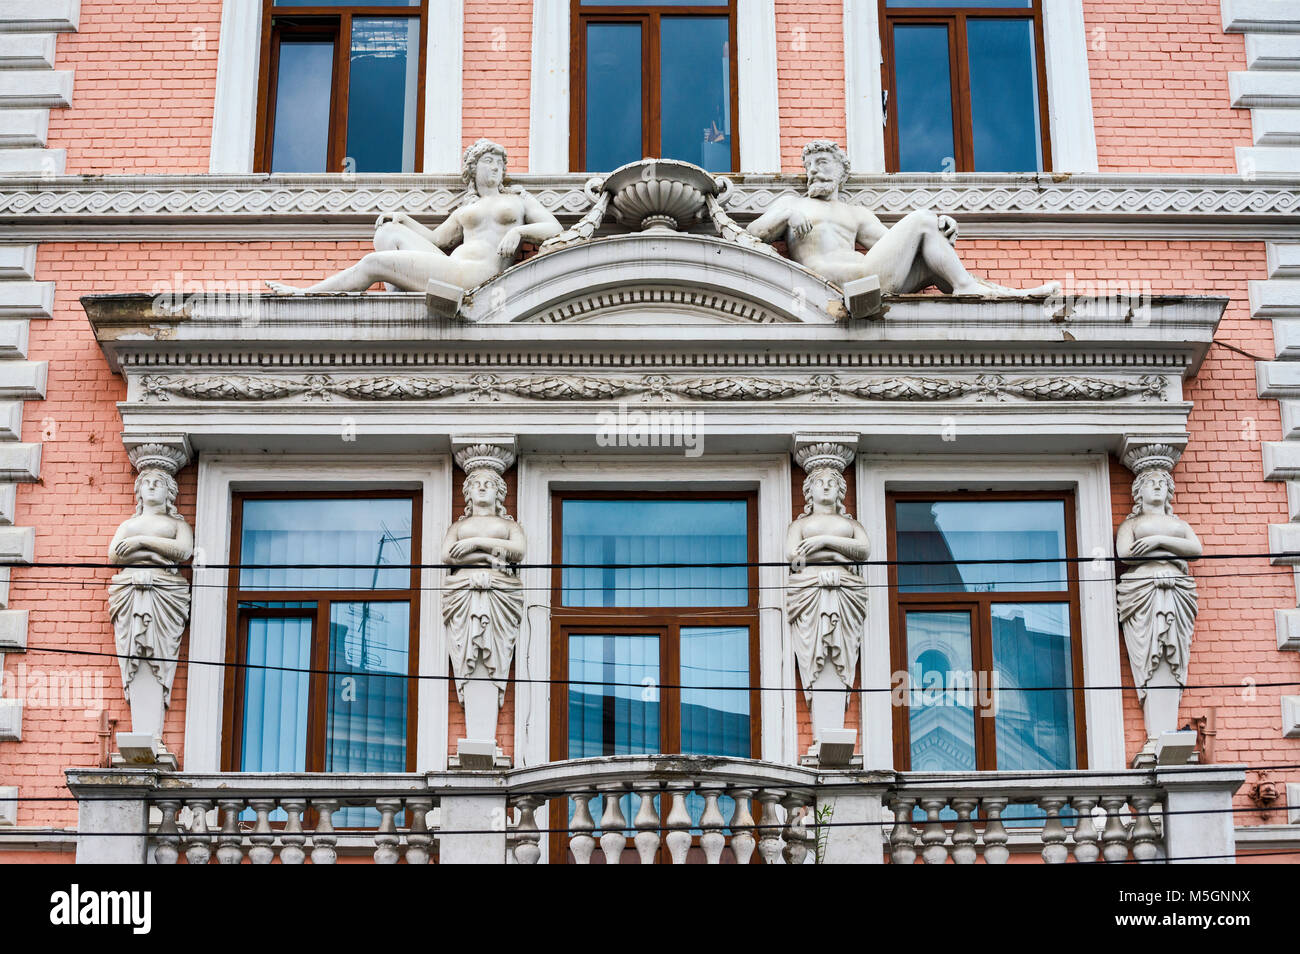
(149, 599)
(825, 594)
(482, 597)
(1157, 596)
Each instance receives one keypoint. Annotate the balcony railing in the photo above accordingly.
(657, 809)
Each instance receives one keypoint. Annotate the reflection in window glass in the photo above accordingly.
(695, 91)
(981, 530)
(374, 535)
(613, 96)
(610, 710)
(302, 106)
(700, 532)
(274, 737)
(715, 721)
(1004, 95)
(941, 714)
(344, 3)
(382, 88)
(960, 4)
(1031, 649)
(923, 99)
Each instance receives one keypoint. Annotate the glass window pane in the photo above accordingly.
(930, 4)
(695, 91)
(981, 530)
(613, 695)
(366, 725)
(922, 99)
(715, 721)
(613, 121)
(373, 534)
(302, 106)
(654, 3)
(941, 715)
(700, 532)
(382, 87)
(1031, 649)
(1004, 95)
(274, 735)
(345, 3)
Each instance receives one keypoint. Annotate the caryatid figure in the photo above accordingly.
(476, 242)
(482, 598)
(1157, 596)
(149, 600)
(825, 595)
(822, 232)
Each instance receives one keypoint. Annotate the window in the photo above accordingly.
(991, 650)
(624, 625)
(965, 86)
(654, 79)
(342, 86)
(354, 625)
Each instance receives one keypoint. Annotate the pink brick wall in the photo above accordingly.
(810, 76)
(1160, 86)
(498, 61)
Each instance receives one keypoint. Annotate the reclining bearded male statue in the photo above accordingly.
(476, 242)
(822, 232)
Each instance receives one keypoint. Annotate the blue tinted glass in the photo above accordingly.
(654, 3)
(715, 721)
(1031, 648)
(302, 106)
(940, 705)
(981, 530)
(374, 535)
(274, 735)
(1004, 95)
(614, 698)
(345, 3)
(699, 532)
(695, 91)
(922, 99)
(930, 4)
(613, 121)
(382, 91)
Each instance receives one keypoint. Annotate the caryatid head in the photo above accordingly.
(827, 166)
(1153, 484)
(824, 487)
(485, 487)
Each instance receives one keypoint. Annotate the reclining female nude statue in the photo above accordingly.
(822, 232)
(477, 241)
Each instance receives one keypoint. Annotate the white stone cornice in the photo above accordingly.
(333, 206)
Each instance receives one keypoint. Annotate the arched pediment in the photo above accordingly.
(656, 278)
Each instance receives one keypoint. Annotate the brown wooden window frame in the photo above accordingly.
(955, 18)
(648, 16)
(979, 605)
(237, 620)
(335, 22)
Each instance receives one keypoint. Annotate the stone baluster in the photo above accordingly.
(1114, 837)
(646, 824)
(613, 825)
(292, 837)
(963, 834)
(995, 833)
(528, 850)
(418, 839)
(934, 837)
(1055, 851)
(902, 838)
(167, 838)
(581, 841)
(323, 839)
(262, 851)
(386, 838)
(796, 832)
(678, 824)
(769, 839)
(198, 846)
(1146, 839)
(1086, 849)
(230, 843)
(712, 841)
(742, 825)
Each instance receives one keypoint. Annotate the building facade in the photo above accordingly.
(870, 435)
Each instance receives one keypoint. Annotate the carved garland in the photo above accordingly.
(489, 387)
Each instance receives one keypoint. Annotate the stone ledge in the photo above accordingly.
(1275, 298)
(37, 16)
(1291, 717)
(17, 544)
(1288, 629)
(20, 463)
(8, 806)
(26, 299)
(27, 51)
(1265, 16)
(23, 379)
(13, 628)
(1268, 88)
(11, 720)
(1282, 460)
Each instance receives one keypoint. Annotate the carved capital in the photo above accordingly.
(495, 452)
(813, 451)
(1143, 454)
(167, 452)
